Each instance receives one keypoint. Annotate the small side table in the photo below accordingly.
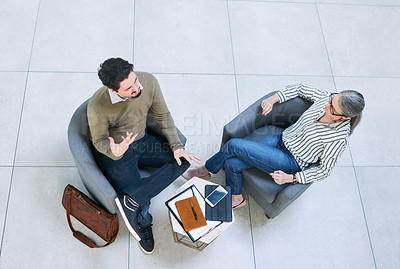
(180, 236)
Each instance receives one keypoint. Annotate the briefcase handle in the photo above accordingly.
(78, 235)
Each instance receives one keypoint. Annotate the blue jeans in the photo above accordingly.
(269, 154)
(123, 174)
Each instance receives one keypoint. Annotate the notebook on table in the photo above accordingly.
(196, 233)
(190, 213)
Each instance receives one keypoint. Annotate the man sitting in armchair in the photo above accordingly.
(117, 114)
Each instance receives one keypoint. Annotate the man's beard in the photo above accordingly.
(137, 95)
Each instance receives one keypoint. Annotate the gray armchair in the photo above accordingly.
(252, 125)
(81, 147)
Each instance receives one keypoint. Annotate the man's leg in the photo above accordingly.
(121, 173)
(144, 220)
(155, 152)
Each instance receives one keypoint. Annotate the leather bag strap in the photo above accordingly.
(78, 235)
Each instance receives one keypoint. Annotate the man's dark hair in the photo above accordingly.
(113, 71)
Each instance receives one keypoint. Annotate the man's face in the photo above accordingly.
(129, 87)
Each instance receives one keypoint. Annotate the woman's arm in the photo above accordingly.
(268, 103)
(327, 161)
(301, 90)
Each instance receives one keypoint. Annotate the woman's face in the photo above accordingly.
(333, 110)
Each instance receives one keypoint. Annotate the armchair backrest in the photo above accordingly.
(80, 145)
(282, 115)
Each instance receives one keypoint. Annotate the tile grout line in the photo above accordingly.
(251, 232)
(211, 74)
(276, 1)
(358, 5)
(332, 3)
(351, 155)
(326, 47)
(129, 252)
(133, 33)
(362, 207)
(18, 132)
(233, 55)
(238, 108)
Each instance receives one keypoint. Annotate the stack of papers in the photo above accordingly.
(197, 233)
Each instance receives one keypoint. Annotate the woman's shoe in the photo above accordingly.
(243, 203)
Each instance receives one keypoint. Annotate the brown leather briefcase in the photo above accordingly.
(94, 217)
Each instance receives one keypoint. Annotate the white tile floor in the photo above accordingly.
(213, 58)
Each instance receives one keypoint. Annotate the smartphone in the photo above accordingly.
(216, 195)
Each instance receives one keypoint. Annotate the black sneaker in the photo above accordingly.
(129, 214)
(147, 242)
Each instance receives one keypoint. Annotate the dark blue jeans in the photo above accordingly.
(123, 174)
(269, 154)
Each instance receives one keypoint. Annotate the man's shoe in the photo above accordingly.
(200, 172)
(147, 242)
(129, 214)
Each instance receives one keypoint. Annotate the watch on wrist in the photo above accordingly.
(294, 178)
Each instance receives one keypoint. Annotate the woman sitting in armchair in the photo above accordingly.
(319, 136)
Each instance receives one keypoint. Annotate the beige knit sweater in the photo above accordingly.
(107, 119)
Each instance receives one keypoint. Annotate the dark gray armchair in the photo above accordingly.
(81, 147)
(252, 125)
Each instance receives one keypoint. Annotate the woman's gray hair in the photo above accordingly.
(352, 104)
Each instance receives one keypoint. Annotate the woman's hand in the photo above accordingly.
(119, 149)
(268, 103)
(281, 177)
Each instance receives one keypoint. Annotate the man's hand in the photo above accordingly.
(119, 149)
(281, 177)
(188, 156)
(268, 103)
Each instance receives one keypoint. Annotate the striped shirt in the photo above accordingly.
(311, 141)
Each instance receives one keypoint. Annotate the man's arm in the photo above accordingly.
(102, 141)
(99, 133)
(164, 118)
(119, 149)
(100, 136)
(167, 125)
